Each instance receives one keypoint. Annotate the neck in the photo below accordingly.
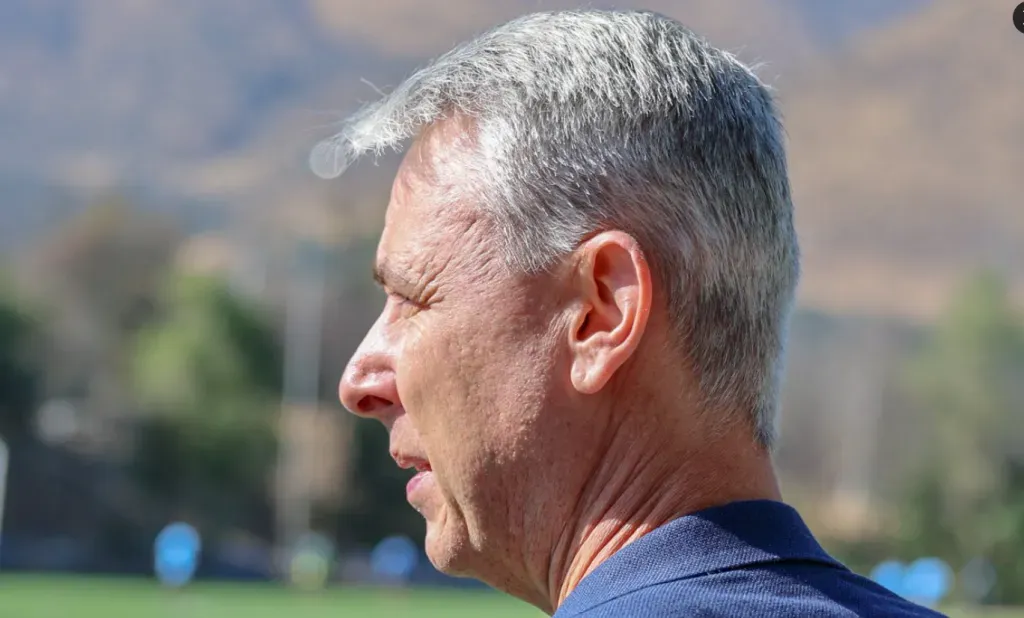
(642, 485)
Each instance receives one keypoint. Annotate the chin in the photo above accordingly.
(455, 556)
(449, 550)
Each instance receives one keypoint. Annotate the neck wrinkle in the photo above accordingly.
(631, 495)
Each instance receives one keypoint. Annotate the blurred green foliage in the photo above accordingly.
(20, 375)
(376, 506)
(966, 499)
(207, 376)
(178, 377)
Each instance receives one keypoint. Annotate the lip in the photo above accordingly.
(417, 482)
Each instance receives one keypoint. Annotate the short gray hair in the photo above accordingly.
(588, 120)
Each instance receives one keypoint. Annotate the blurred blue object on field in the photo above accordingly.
(394, 558)
(890, 574)
(176, 554)
(927, 581)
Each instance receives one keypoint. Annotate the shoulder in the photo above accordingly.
(771, 591)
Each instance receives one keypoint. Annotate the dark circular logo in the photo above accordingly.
(1018, 17)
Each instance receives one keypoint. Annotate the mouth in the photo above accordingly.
(406, 462)
(424, 475)
(417, 485)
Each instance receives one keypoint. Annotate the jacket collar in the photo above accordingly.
(722, 538)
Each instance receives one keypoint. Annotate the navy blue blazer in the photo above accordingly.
(755, 558)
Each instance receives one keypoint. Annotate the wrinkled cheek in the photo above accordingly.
(425, 387)
(446, 382)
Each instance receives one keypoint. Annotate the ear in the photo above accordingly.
(612, 284)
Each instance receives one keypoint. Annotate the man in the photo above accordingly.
(589, 260)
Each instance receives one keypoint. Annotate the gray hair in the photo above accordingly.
(587, 120)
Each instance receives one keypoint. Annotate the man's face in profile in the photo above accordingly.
(459, 367)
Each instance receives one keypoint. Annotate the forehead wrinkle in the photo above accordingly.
(435, 230)
(477, 256)
(454, 252)
(441, 261)
(405, 270)
(393, 263)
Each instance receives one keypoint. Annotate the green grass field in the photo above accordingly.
(83, 597)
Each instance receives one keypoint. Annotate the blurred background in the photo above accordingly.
(179, 296)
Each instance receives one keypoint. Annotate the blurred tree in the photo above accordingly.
(208, 368)
(98, 276)
(19, 369)
(376, 505)
(108, 262)
(968, 498)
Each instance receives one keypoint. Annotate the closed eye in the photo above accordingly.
(404, 302)
(397, 297)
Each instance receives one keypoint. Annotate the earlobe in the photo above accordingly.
(579, 379)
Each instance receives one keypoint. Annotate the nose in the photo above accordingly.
(367, 387)
(368, 394)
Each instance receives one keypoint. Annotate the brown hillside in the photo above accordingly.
(422, 28)
(905, 148)
(112, 92)
(907, 157)
(270, 177)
